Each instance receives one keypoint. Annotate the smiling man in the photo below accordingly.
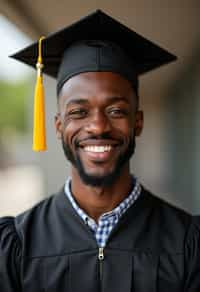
(103, 231)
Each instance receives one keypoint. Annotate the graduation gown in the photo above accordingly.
(154, 247)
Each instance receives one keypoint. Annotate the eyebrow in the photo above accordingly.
(77, 101)
(118, 99)
(112, 99)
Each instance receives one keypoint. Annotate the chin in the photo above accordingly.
(97, 181)
(99, 178)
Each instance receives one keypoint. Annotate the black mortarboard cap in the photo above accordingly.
(137, 53)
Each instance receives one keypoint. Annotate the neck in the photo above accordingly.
(98, 200)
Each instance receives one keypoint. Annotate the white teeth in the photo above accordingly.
(99, 149)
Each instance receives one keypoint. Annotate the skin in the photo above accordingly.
(92, 104)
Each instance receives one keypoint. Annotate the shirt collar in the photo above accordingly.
(117, 212)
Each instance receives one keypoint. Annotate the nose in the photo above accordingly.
(98, 124)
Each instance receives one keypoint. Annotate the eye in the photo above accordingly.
(78, 113)
(117, 112)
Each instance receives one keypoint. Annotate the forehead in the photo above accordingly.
(93, 85)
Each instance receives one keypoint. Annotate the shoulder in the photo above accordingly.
(36, 227)
(40, 230)
(30, 228)
(12, 227)
(164, 221)
(177, 235)
(166, 210)
(39, 214)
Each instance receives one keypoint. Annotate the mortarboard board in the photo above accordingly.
(96, 42)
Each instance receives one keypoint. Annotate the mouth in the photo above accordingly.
(99, 152)
(98, 148)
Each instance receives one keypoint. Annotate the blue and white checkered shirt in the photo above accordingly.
(107, 221)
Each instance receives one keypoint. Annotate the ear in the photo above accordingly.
(58, 125)
(139, 123)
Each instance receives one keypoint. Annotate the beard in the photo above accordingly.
(97, 180)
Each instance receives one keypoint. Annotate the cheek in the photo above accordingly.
(125, 126)
(71, 130)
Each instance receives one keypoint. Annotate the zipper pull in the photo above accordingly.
(101, 253)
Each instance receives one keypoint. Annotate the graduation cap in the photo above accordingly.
(96, 42)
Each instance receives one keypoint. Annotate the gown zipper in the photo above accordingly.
(101, 258)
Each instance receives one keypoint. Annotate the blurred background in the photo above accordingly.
(167, 159)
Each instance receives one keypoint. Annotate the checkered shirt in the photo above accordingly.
(108, 220)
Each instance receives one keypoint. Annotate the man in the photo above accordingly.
(103, 231)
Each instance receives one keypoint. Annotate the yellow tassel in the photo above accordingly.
(39, 130)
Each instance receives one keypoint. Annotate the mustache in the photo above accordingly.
(103, 136)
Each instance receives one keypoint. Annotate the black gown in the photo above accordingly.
(154, 247)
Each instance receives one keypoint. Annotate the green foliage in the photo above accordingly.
(14, 106)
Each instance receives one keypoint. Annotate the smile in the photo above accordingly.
(98, 149)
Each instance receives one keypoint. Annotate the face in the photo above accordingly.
(97, 122)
